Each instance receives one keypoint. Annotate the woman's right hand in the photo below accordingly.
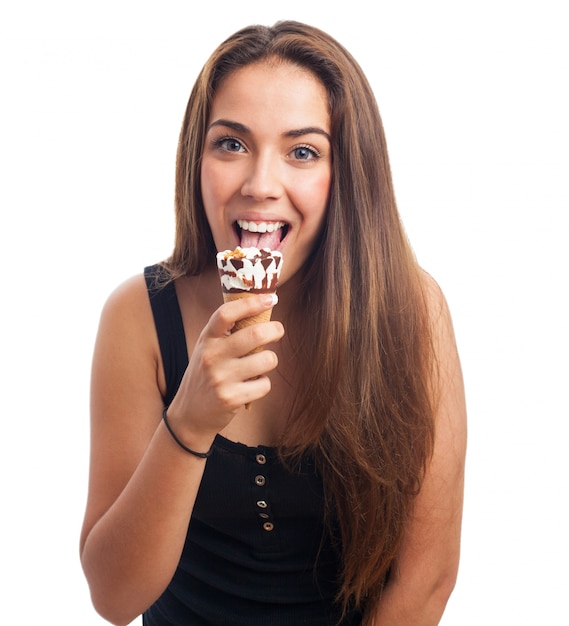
(222, 374)
(142, 487)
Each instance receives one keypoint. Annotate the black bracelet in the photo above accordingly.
(201, 455)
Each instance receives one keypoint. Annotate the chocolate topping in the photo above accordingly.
(249, 270)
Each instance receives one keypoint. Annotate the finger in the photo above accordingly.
(227, 315)
(245, 383)
(255, 389)
(240, 370)
(253, 338)
(245, 393)
(255, 364)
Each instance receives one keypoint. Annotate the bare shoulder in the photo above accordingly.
(129, 299)
(435, 298)
(451, 414)
(448, 380)
(440, 318)
(127, 347)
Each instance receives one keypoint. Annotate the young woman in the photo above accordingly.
(336, 499)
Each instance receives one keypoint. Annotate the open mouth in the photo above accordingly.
(261, 234)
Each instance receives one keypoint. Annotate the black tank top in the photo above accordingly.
(256, 552)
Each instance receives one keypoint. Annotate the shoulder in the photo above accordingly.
(449, 384)
(128, 304)
(128, 294)
(127, 351)
(434, 297)
(439, 315)
(126, 317)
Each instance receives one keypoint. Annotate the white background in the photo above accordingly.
(474, 98)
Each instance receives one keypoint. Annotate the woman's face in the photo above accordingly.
(267, 162)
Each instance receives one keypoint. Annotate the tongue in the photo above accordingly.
(260, 240)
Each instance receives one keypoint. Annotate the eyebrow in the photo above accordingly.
(297, 132)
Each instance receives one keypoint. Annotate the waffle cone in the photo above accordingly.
(265, 316)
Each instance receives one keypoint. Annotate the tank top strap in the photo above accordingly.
(169, 326)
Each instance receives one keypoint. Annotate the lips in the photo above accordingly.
(261, 234)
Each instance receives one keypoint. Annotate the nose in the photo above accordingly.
(262, 180)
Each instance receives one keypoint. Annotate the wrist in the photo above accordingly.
(201, 453)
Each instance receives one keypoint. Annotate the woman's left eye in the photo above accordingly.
(305, 153)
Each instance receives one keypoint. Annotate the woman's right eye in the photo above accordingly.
(230, 144)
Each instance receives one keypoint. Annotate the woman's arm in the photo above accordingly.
(425, 571)
(142, 485)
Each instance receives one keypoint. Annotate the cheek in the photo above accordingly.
(219, 184)
(208, 185)
(313, 197)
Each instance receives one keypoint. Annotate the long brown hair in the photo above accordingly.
(366, 410)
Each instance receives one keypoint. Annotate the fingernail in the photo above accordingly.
(271, 299)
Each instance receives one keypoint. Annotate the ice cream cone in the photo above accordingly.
(245, 272)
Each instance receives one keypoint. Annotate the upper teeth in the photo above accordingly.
(260, 227)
